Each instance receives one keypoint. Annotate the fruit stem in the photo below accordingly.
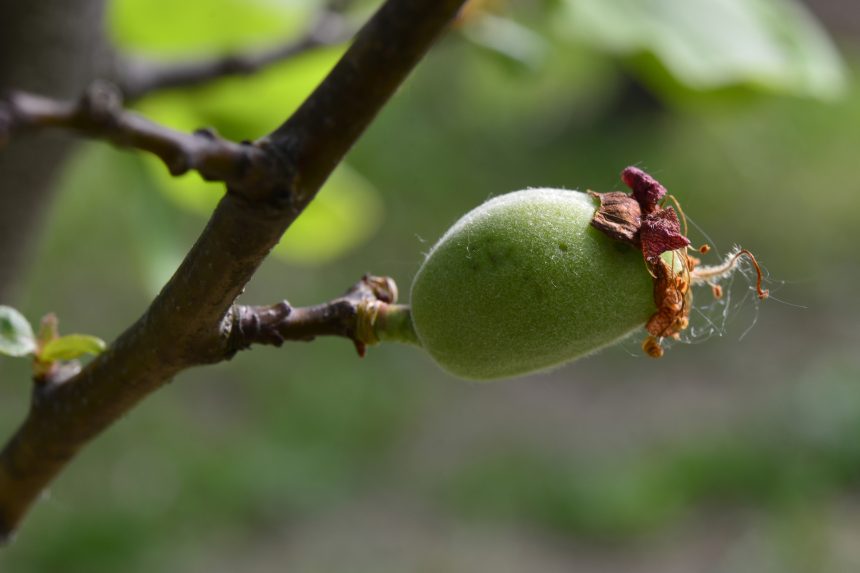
(394, 323)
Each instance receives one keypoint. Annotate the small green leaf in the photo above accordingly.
(203, 26)
(16, 334)
(70, 347)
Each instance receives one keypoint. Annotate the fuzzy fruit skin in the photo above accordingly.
(523, 283)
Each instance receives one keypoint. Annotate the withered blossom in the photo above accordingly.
(640, 220)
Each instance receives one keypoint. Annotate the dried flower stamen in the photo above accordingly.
(717, 291)
(716, 272)
(652, 347)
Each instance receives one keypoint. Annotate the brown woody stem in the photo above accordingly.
(366, 314)
(99, 115)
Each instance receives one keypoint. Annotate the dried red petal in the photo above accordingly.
(618, 216)
(661, 232)
(646, 190)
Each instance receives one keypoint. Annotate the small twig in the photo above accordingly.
(99, 115)
(139, 77)
(353, 316)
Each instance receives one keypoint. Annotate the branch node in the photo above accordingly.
(237, 64)
(178, 164)
(101, 103)
(261, 324)
(208, 133)
(383, 289)
(365, 320)
(356, 315)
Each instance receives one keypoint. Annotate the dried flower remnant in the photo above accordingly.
(652, 347)
(661, 232)
(619, 216)
(717, 291)
(673, 298)
(711, 274)
(640, 219)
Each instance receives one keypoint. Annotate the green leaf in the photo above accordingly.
(16, 334)
(70, 347)
(277, 91)
(345, 213)
(510, 40)
(772, 45)
(170, 28)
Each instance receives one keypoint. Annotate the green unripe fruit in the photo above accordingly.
(523, 283)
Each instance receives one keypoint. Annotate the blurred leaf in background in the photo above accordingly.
(774, 45)
(348, 210)
(202, 27)
(16, 334)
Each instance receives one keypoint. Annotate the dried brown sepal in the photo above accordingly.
(360, 348)
(618, 216)
(673, 298)
(652, 347)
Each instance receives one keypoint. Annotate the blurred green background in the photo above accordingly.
(738, 451)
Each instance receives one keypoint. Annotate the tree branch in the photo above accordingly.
(365, 314)
(192, 320)
(99, 115)
(139, 77)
